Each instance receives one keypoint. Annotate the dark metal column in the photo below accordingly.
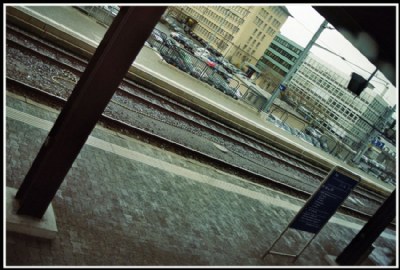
(109, 64)
(369, 233)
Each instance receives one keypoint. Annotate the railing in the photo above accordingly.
(103, 14)
(184, 60)
(254, 98)
(196, 67)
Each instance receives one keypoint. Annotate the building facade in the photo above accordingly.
(276, 61)
(250, 34)
(240, 33)
(323, 90)
(280, 56)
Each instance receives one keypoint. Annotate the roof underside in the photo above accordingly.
(379, 22)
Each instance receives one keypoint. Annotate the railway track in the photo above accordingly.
(54, 72)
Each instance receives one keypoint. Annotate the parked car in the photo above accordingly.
(316, 142)
(204, 56)
(313, 132)
(306, 113)
(307, 139)
(190, 46)
(179, 37)
(112, 10)
(176, 61)
(275, 120)
(296, 132)
(285, 127)
(222, 86)
(177, 27)
(198, 73)
(170, 43)
(192, 34)
(210, 63)
(223, 72)
(238, 94)
(324, 146)
(364, 159)
(202, 52)
(157, 36)
(169, 20)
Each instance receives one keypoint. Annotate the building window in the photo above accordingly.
(275, 23)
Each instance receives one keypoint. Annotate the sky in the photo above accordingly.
(304, 24)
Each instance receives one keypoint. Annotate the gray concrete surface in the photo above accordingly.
(125, 202)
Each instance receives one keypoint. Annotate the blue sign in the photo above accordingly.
(324, 202)
(376, 142)
(282, 87)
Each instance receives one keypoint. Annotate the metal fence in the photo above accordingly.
(196, 67)
(185, 60)
(103, 14)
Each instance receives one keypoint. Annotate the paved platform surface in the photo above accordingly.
(128, 203)
(125, 202)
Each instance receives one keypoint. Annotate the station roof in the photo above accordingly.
(379, 22)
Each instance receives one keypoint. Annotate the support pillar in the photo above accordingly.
(106, 69)
(363, 241)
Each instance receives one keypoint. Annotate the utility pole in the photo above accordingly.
(282, 85)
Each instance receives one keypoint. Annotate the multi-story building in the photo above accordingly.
(240, 33)
(323, 89)
(280, 56)
(277, 60)
(250, 34)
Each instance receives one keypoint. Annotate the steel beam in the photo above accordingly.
(106, 69)
(363, 241)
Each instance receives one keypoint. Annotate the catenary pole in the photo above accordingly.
(289, 75)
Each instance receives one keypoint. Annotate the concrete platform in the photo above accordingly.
(46, 227)
(127, 203)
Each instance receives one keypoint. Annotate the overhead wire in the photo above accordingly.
(347, 62)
